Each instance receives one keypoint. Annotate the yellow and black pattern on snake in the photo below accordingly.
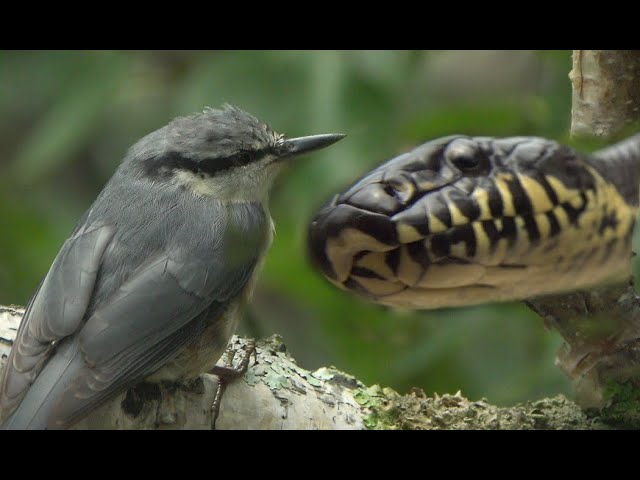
(468, 220)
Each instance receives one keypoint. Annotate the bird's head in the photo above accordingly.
(224, 153)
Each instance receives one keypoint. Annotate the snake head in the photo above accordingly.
(461, 220)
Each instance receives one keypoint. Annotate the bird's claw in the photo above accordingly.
(228, 374)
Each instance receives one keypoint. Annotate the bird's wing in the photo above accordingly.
(55, 311)
(144, 323)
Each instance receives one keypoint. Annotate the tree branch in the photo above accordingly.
(277, 394)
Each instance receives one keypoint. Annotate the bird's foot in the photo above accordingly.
(228, 374)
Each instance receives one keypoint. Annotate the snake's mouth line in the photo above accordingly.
(482, 255)
(485, 232)
(456, 265)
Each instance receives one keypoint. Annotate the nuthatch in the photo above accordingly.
(151, 283)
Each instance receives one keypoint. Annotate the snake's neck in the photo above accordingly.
(620, 165)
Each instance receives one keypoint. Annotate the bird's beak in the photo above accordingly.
(300, 145)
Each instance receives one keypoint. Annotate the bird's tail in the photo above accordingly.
(34, 412)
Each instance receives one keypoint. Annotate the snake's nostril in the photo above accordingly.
(390, 190)
(400, 190)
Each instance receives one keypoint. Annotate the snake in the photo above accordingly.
(464, 220)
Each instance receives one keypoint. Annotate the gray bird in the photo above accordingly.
(151, 283)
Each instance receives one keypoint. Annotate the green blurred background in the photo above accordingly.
(66, 119)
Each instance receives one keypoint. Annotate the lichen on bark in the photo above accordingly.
(276, 393)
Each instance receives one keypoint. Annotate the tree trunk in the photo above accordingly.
(601, 327)
(606, 91)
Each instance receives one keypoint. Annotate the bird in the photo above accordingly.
(463, 220)
(152, 281)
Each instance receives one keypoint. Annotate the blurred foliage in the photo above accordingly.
(66, 119)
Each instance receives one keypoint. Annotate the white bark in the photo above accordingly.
(606, 89)
(274, 394)
(277, 394)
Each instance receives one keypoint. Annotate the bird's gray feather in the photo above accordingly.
(140, 309)
(56, 309)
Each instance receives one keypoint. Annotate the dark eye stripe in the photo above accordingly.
(168, 162)
(239, 159)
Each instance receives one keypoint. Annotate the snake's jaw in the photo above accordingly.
(340, 232)
(361, 220)
(462, 220)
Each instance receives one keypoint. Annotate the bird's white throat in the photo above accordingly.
(244, 184)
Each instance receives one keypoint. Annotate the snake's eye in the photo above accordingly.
(466, 163)
(465, 156)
